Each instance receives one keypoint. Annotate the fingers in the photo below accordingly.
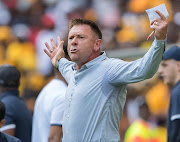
(159, 20)
(48, 47)
(161, 15)
(47, 52)
(52, 51)
(60, 42)
(53, 43)
(156, 22)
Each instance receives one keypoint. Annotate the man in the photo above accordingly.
(5, 137)
(170, 73)
(97, 84)
(18, 118)
(48, 112)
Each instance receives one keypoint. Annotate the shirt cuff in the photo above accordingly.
(7, 127)
(63, 60)
(160, 43)
(58, 62)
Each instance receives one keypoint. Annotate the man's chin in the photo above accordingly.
(169, 84)
(165, 82)
(74, 59)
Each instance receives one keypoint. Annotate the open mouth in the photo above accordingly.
(162, 77)
(73, 50)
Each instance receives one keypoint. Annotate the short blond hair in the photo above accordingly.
(92, 24)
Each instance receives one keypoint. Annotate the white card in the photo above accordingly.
(153, 15)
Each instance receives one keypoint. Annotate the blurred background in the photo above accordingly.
(25, 25)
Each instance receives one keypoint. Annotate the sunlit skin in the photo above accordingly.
(169, 70)
(83, 45)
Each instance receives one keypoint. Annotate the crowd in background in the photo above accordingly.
(25, 25)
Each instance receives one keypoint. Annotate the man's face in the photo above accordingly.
(81, 44)
(168, 71)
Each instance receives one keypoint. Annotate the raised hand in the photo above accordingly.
(160, 26)
(55, 52)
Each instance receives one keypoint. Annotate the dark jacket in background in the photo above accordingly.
(8, 138)
(18, 114)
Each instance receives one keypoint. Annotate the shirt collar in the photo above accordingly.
(177, 84)
(9, 93)
(92, 62)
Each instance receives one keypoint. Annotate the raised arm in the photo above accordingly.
(55, 52)
(144, 68)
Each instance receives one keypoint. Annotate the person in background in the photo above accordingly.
(97, 84)
(143, 129)
(49, 110)
(29, 98)
(169, 70)
(5, 137)
(140, 129)
(18, 119)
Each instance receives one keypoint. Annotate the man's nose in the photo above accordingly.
(160, 70)
(74, 41)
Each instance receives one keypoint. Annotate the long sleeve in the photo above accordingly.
(65, 67)
(122, 72)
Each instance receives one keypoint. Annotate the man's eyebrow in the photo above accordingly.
(77, 35)
(163, 63)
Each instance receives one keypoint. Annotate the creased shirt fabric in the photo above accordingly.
(96, 94)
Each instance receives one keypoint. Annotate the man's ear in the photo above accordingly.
(97, 44)
(2, 122)
(178, 65)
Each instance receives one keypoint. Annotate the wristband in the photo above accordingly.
(57, 64)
